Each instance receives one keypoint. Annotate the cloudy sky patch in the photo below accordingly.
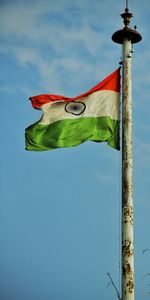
(60, 209)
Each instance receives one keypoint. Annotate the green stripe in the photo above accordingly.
(72, 132)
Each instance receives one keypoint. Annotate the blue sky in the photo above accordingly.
(60, 209)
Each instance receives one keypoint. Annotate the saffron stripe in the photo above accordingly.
(111, 83)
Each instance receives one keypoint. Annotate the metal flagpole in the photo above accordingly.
(127, 37)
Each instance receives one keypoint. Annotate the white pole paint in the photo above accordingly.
(127, 199)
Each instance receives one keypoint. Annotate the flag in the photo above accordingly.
(68, 122)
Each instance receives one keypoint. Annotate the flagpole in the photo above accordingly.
(127, 37)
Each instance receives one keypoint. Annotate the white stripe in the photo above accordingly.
(98, 104)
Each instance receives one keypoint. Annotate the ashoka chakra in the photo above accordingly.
(75, 108)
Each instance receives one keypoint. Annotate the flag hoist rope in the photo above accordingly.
(127, 37)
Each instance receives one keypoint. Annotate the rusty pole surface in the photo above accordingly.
(127, 199)
(127, 37)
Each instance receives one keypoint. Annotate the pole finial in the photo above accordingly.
(126, 16)
(126, 32)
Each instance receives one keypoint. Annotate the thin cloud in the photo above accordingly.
(27, 30)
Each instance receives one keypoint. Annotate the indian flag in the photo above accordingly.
(67, 122)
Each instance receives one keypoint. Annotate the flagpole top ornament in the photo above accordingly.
(127, 32)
